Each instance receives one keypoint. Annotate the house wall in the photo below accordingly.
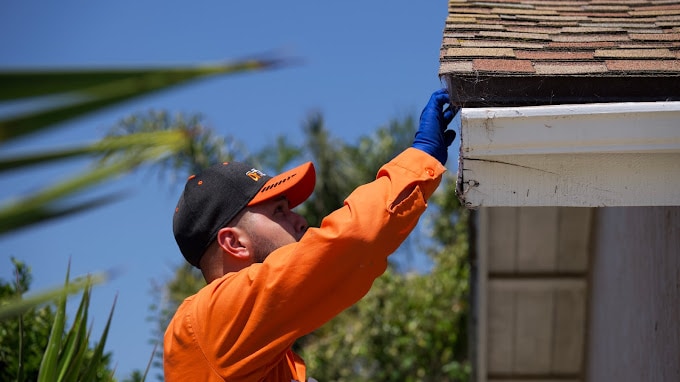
(634, 309)
(531, 293)
(577, 294)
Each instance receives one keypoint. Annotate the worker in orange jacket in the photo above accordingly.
(272, 279)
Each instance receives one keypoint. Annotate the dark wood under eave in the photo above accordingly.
(502, 90)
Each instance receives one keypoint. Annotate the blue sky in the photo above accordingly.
(363, 64)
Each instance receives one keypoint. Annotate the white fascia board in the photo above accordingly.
(615, 154)
(568, 129)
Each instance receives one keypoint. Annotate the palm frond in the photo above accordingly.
(92, 90)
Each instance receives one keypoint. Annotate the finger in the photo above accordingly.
(450, 113)
(448, 116)
(439, 98)
(449, 136)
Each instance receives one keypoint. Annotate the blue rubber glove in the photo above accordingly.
(432, 136)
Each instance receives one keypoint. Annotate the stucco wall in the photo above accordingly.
(634, 312)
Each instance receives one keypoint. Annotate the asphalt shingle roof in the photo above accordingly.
(576, 50)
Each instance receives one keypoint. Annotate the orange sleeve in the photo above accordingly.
(241, 326)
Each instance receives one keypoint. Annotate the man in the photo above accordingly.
(271, 280)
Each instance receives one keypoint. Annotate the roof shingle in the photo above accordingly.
(577, 39)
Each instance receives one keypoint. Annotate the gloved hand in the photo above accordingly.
(432, 136)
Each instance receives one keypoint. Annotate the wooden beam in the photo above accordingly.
(494, 89)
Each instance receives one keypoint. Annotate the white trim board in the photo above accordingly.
(618, 154)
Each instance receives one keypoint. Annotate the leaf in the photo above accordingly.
(44, 214)
(91, 370)
(76, 340)
(172, 140)
(43, 205)
(18, 306)
(93, 90)
(148, 365)
(56, 81)
(48, 372)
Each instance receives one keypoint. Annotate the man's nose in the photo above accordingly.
(299, 222)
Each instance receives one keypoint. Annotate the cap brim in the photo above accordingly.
(296, 185)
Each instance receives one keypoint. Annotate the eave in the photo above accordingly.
(616, 66)
(502, 89)
(589, 155)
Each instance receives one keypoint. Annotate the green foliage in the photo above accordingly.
(82, 90)
(34, 341)
(78, 92)
(201, 146)
(25, 337)
(136, 376)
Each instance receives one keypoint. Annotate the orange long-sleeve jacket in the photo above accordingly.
(241, 327)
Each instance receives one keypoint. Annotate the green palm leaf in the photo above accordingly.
(76, 342)
(65, 95)
(14, 308)
(92, 90)
(172, 140)
(45, 204)
(91, 370)
(48, 366)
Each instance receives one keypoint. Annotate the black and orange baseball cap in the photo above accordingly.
(214, 197)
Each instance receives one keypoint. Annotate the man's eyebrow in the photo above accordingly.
(281, 198)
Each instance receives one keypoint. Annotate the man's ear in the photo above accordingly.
(233, 241)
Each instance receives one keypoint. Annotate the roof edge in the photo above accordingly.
(489, 90)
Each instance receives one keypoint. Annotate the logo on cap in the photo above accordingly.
(255, 174)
